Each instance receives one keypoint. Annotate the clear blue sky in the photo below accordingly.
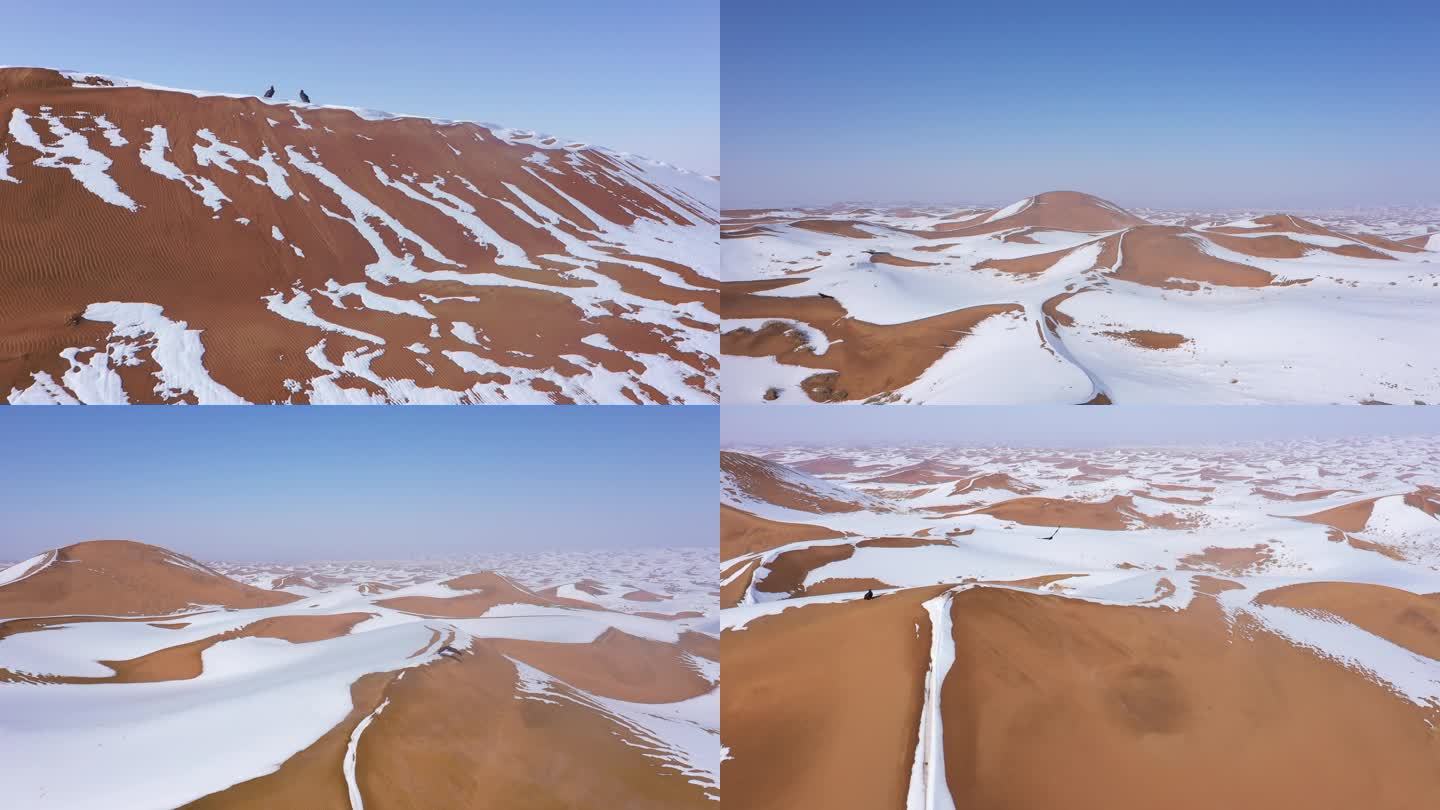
(636, 75)
(357, 483)
(1281, 104)
(1066, 426)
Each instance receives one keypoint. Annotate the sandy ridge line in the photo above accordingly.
(357, 802)
(647, 741)
(1100, 393)
(928, 787)
(49, 558)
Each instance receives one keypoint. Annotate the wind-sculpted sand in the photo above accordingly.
(159, 245)
(121, 578)
(1115, 624)
(1067, 298)
(340, 693)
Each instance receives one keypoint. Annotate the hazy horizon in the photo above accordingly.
(1063, 425)
(300, 484)
(1226, 105)
(574, 70)
(1000, 202)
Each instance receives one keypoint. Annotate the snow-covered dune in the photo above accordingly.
(1110, 622)
(162, 245)
(1067, 298)
(200, 684)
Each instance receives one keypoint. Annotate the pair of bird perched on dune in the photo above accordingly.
(271, 94)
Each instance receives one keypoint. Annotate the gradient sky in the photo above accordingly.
(635, 75)
(357, 483)
(1278, 105)
(1065, 426)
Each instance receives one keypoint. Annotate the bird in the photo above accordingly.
(271, 92)
(1053, 534)
(869, 594)
(304, 97)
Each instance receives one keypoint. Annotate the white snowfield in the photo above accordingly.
(1227, 512)
(686, 333)
(1331, 328)
(259, 701)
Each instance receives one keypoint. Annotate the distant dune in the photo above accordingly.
(1068, 298)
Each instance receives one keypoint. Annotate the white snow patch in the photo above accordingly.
(71, 152)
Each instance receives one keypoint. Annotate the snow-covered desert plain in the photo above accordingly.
(1067, 298)
(1247, 625)
(134, 677)
(163, 245)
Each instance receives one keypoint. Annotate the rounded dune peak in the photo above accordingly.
(124, 578)
(1076, 210)
(1050, 210)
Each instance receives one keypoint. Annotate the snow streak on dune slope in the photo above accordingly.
(284, 252)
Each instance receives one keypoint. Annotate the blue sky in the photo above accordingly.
(357, 483)
(636, 75)
(1066, 426)
(1280, 104)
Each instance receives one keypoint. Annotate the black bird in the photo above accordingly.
(869, 594)
(271, 92)
(823, 295)
(1052, 534)
(447, 649)
(304, 97)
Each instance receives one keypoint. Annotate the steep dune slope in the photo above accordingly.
(749, 479)
(160, 245)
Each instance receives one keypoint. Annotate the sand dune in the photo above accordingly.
(337, 699)
(616, 665)
(1116, 514)
(1067, 298)
(753, 478)
(1116, 706)
(742, 532)
(235, 249)
(1053, 210)
(1196, 629)
(122, 577)
(475, 594)
(859, 757)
